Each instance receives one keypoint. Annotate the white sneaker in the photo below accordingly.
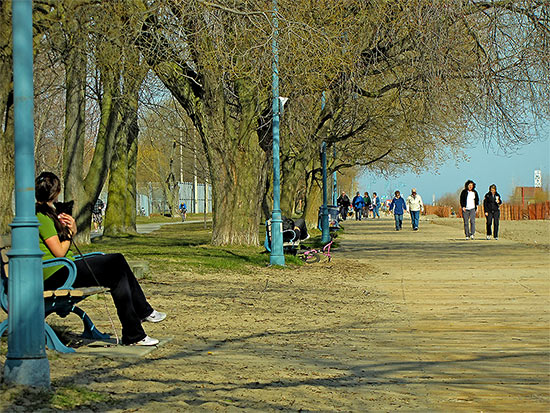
(496, 238)
(155, 317)
(471, 237)
(147, 341)
(488, 237)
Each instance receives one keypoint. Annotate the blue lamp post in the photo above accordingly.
(325, 232)
(26, 361)
(277, 257)
(325, 237)
(334, 179)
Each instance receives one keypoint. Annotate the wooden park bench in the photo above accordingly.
(61, 301)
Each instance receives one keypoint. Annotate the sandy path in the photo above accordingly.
(398, 321)
(472, 332)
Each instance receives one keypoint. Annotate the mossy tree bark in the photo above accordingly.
(227, 115)
(238, 164)
(120, 216)
(74, 134)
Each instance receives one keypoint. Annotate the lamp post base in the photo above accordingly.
(28, 372)
(277, 260)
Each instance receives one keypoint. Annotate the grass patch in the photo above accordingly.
(64, 398)
(185, 247)
(68, 398)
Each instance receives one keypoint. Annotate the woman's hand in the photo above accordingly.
(69, 222)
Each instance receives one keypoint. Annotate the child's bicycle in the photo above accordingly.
(313, 255)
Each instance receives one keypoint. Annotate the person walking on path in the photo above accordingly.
(375, 205)
(367, 206)
(469, 200)
(358, 205)
(183, 211)
(344, 203)
(415, 206)
(398, 206)
(491, 205)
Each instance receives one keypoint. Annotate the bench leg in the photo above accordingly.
(53, 342)
(90, 331)
(3, 327)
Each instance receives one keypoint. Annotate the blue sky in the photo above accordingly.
(484, 168)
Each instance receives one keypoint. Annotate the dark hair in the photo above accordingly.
(468, 182)
(492, 186)
(47, 187)
(397, 193)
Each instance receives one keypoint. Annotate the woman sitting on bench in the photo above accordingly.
(109, 270)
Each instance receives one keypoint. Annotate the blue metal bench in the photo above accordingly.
(61, 301)
(290, 246)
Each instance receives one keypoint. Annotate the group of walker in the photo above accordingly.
(469, 201)
(363, 206)
(413, 205)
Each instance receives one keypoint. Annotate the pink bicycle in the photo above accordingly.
(314, 255)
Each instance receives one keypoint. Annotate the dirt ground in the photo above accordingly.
(398, 321)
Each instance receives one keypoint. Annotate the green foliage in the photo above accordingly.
(63, 398)
(69, 398)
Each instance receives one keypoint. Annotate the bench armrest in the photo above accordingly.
(68, 285)
(89, 254)
(293, 234)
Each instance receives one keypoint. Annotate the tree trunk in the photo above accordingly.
(314, 197)
(115, 215)
(75, 129)
(7, 178)
(131, 187)
(238, 166)
(120, 217)
(291, 179)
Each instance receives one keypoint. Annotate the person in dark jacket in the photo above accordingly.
(343, 202)
(491, 205)
(368, 205)
(469, 200)
(358, 205)
(398, 206)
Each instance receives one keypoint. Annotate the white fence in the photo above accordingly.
(154, 201)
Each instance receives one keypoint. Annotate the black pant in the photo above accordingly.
(112, 271)
(344, 212)
(493, 217)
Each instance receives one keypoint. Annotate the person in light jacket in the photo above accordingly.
(491, 205)
(415, 206)
(469, 200)
(398, 206)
